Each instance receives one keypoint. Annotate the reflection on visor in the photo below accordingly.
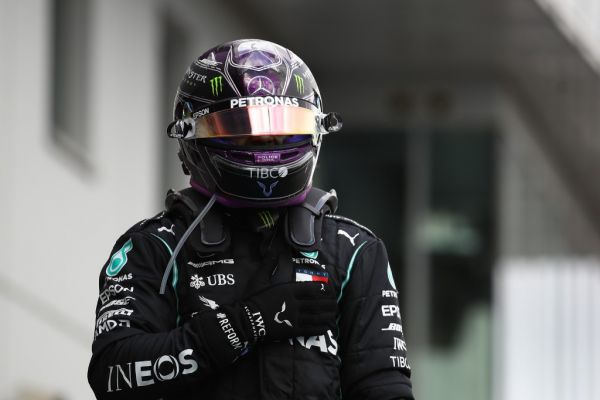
(257, 120)
(254, 116)
(259, 140)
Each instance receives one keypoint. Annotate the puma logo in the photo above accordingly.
(165, 229)
(350, 238)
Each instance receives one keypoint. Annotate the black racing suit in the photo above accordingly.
(151, 346)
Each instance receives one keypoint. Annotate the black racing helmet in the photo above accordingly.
(249, 119)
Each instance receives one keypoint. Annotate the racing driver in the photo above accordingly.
(248, 285)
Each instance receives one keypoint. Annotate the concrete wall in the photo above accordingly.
(539, 215)
(62, 212)
(61, 218)
(547, 278)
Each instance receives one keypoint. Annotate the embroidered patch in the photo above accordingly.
(310, 275)
(119, 259)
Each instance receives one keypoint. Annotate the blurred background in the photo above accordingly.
(470, 145)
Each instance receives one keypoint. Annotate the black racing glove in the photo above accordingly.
(290, 309)
(278, 312)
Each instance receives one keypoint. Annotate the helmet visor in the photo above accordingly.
(257, 120)
(255, 116)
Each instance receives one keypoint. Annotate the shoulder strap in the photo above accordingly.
(212, 235)
(303, 222)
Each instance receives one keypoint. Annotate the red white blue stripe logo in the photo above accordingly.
(310, 275)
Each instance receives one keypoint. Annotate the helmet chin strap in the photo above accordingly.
(183, 239)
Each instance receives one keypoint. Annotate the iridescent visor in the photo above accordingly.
(258, 120)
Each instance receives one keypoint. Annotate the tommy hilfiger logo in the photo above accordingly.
(311, 275)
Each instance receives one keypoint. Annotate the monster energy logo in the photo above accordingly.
(299, 83)
(216, 85)
(267, 219)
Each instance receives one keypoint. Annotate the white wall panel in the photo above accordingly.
(547, 276)
(548, 328)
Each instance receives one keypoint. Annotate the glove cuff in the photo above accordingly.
(226, 339)
(255, 323)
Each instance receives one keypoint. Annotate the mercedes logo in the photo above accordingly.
(260, 85)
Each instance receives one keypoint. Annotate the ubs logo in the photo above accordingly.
(197, 281)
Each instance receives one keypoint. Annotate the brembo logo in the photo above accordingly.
(145, 373)
(263, 101)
